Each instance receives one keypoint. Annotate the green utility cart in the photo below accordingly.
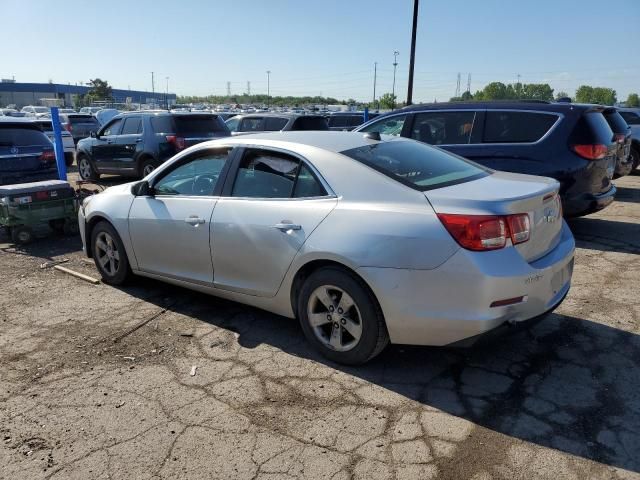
(26, 205)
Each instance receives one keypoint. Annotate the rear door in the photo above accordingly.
(171, 230)
(274, 203)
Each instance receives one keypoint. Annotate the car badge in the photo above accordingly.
(14, 150)
(549, 215)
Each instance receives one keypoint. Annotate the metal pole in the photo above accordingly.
(166, 97)
(412, 58)
(375, 74)
(393, 90)
(153, 88)
(268, 86)
(57, 144)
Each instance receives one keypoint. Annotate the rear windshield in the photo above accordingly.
(199, 124)
(84, 119)
(310, 123)
(616, 122)
(416, 164)
(46, 126)
(592, 128)
(10, 137)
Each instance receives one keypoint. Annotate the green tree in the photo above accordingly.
(562, 94)
(633, 100)
(495, 91)
(387, 101)
(600, 95)
(536, 91)
(100, 89)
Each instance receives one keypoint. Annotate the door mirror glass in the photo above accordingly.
(93, 134)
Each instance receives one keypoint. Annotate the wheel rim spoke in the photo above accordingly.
(354, 329)
(346, 302)
(335, 340)
(112, 266)
(101, 245)
(323, 297)
(103, 260)
(116, 255)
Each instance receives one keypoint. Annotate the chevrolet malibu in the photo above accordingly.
(366, 239)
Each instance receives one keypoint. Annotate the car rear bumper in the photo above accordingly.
(453, 302)
(11, 178)
(587, 203)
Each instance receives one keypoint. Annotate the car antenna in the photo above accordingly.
(372, 136)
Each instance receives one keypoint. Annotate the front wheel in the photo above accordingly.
(340, 317)
(146, 168)
(21, 235)
(109, 254)
(635, 159)
(86, 170)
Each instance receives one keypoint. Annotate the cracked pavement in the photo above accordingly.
(84, 394)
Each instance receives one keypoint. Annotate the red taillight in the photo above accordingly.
(620, 137)
(68, 127)
(48, 156)
(177, 142)
(486, 232)
(591, 152)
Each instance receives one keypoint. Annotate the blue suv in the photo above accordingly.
(572, 143)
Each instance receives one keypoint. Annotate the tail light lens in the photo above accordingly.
(487, 232)
(68, 127)
(48, 156)
(177, 142)
(591, 152)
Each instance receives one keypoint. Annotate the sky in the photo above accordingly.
(324, 47)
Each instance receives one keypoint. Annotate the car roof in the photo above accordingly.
(27, 122)
(326, 140)
(539, 105)
(277, 115)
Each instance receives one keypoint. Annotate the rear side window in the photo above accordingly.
(83, 119)
(163, 124)
(307, 185)
(310, 123)
(516, 127)
(592, 128)
(46, 126)
(251, 124)
(199, 125)
(387, 126)
(616, 122)
(10, 137)
(443, 128)
(417, 165)
(132, 126)
(631, 118)
(265, 174)
(273, 124)
(338, 121)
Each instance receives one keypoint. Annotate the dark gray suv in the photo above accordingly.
(134, 143)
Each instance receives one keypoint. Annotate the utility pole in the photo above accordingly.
(458, 87)
(519, 87)
(469, 83)
(166, 97)
(395, 65)
(153, 86)
(375, 74)
(228, 89)
(412, 58)
(268, 86)
(248, 88)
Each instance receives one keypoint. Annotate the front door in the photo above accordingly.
(105, 149)
(275, 203)
(128, 143)
(170, 230)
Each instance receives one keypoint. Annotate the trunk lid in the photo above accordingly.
(505, 194)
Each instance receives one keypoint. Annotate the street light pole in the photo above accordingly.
(375, 73)
(166, 97)
(395, 65)
(412, 58)
(268, 86)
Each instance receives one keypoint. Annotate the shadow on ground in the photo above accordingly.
(606, 235)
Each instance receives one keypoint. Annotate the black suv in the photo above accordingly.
(572, 143)
(135, 143)
(26, 154)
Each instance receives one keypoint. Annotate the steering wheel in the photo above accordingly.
(203, 184)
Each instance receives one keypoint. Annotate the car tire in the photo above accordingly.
(350, 336)
(109, 254)
(86, 170)
(635, 158)
(68, 158)
(57, 225)
(21, 235)
(146, 167)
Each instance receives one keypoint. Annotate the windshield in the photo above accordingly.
(416, 164)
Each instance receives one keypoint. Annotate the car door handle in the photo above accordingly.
(138, 140)
(285, 226)
(194, 220)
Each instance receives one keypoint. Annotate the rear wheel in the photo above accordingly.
(635, 158)
(147, 167)
(340, 317)
(22, 235)
(109, 254)
(86, 170)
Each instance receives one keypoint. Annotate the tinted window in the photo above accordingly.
(232, 123)
(83, 119)
(307, 185)
(338, 121)
(46, 126)
(416, 164)
(631, 118)
(253, 124)
(132, 126)
(387, 126)
(11, 136)
(592, 128)
(40, 109)
(265, 174)
(443, 128)
(516, 127)
(200, 125)
(310, 123)
(273, 124)
(616, 122)
(195, 177)
(163, 124)
(113, 128)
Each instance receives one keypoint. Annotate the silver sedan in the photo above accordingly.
(365, 239)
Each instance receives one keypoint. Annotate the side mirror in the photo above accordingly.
(143, 189)
(93, 134)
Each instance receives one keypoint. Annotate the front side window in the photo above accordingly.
(387, 126)
(113, 128)
(443, 128)
(196, 177)
(516, 127)
(132, 126)
(251, 124)
(416, 164)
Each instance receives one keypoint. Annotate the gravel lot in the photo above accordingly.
(86, 395)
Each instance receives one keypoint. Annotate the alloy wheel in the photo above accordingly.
(147, 169)
(107, 253)
(84, 168)
(335, 318)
